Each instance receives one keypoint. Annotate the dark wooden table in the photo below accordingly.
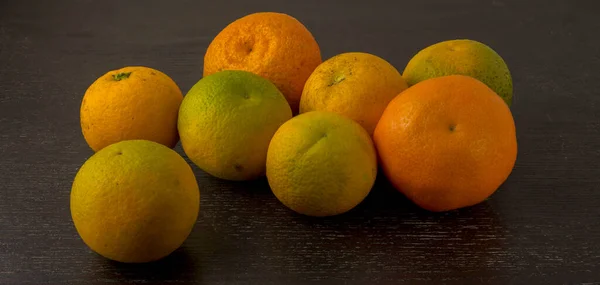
(541, 227)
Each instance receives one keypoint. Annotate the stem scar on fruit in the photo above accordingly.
(121, 76)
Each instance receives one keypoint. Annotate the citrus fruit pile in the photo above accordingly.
(442, 132)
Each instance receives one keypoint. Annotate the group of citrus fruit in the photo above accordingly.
(441, 132)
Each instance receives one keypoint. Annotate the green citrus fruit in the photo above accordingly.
(227, 120)
(462, 57)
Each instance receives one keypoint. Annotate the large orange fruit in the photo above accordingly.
(131, 103)
(273, 45)
(447, 142)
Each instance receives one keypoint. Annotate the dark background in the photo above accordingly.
(541, 227)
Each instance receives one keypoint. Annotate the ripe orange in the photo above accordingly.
(131, 103)
(447, 142)
(357, 85)
(273, 45)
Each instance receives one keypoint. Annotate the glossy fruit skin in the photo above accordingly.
(275, 46)
(447, 142)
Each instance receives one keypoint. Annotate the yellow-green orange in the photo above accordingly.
(357, 85)
(321, 164)
(134, 201)
(462, 57)
(227, 120)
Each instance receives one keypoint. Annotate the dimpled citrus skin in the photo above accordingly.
(227, 120)
(357, 85)
(134, 201)
(321, 164)
(447, 142)
(462, 57)
(130, 103)
(273, 45)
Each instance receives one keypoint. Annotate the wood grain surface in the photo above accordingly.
(541, 227)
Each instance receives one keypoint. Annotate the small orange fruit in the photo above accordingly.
(355, 84)
(462, 57)
(131, 103)
(273, 45)
(135, 201)
(447, 142)
(227, 120)
(321, 164)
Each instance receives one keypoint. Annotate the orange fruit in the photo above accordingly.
(135, 201)
(447, 142)
(462, 57)
(355, 84)
(227, 120)
(131, 103)
(273, 45)
(321, 164)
